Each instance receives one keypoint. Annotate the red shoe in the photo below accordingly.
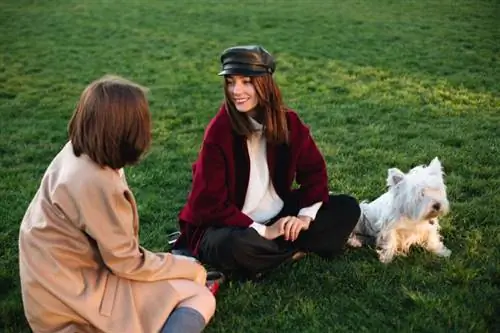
(214, 280)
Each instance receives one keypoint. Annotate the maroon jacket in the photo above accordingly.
(221, 174)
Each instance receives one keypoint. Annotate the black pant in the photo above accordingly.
(244, 251)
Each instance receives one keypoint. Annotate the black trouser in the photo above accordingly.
(244, 251)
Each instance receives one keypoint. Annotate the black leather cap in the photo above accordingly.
(250, 60)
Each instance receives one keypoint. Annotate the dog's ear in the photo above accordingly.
(394, 176)
(435, 166)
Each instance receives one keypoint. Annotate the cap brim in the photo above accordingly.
(245, 71)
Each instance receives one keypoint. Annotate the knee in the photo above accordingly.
(209, 304)
(243, 244)
(204, 302)
(346, 204)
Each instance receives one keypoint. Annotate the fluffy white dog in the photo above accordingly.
(406, 214)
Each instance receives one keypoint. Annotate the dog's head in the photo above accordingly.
(421, 193)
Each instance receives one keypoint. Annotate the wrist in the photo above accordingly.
(260, 228)
(266, 233)
(305, 218)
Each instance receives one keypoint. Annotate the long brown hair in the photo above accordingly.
(111, 123)
(270, 108)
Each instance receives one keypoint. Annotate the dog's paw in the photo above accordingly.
(385, 257)
(444, 252)
(354, 241)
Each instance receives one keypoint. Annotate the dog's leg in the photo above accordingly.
(434, 243)
(354, 240)
(387, 244)
(358, 237)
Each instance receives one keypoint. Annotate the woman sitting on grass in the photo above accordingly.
(242, 215)
(81, 266)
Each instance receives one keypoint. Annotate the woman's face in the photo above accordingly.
(242, 92)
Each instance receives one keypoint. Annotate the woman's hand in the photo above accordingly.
(275, 230)
(294, 225)
(289, 227)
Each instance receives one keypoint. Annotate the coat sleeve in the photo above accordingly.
(107, 214)
(208, 202)
(311, 174)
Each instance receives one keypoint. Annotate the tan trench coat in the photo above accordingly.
(81, 266)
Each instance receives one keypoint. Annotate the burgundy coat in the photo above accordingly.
(221, 175)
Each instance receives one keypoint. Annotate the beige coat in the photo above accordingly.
(81, 266)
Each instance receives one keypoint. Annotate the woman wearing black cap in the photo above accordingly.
(244, 214)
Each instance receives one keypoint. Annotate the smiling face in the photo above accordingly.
(242, 93)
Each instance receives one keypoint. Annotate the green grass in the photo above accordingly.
(381, 83)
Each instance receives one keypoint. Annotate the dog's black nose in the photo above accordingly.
(436, 206)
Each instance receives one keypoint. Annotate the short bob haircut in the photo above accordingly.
(111, 123)
(271, 110)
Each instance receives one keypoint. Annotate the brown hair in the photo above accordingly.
(271, 110)
(111, 123)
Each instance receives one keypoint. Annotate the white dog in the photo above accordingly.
(406, 214)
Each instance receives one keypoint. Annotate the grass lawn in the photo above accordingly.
(381, 83)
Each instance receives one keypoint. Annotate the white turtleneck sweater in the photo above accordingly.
(262, 203)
